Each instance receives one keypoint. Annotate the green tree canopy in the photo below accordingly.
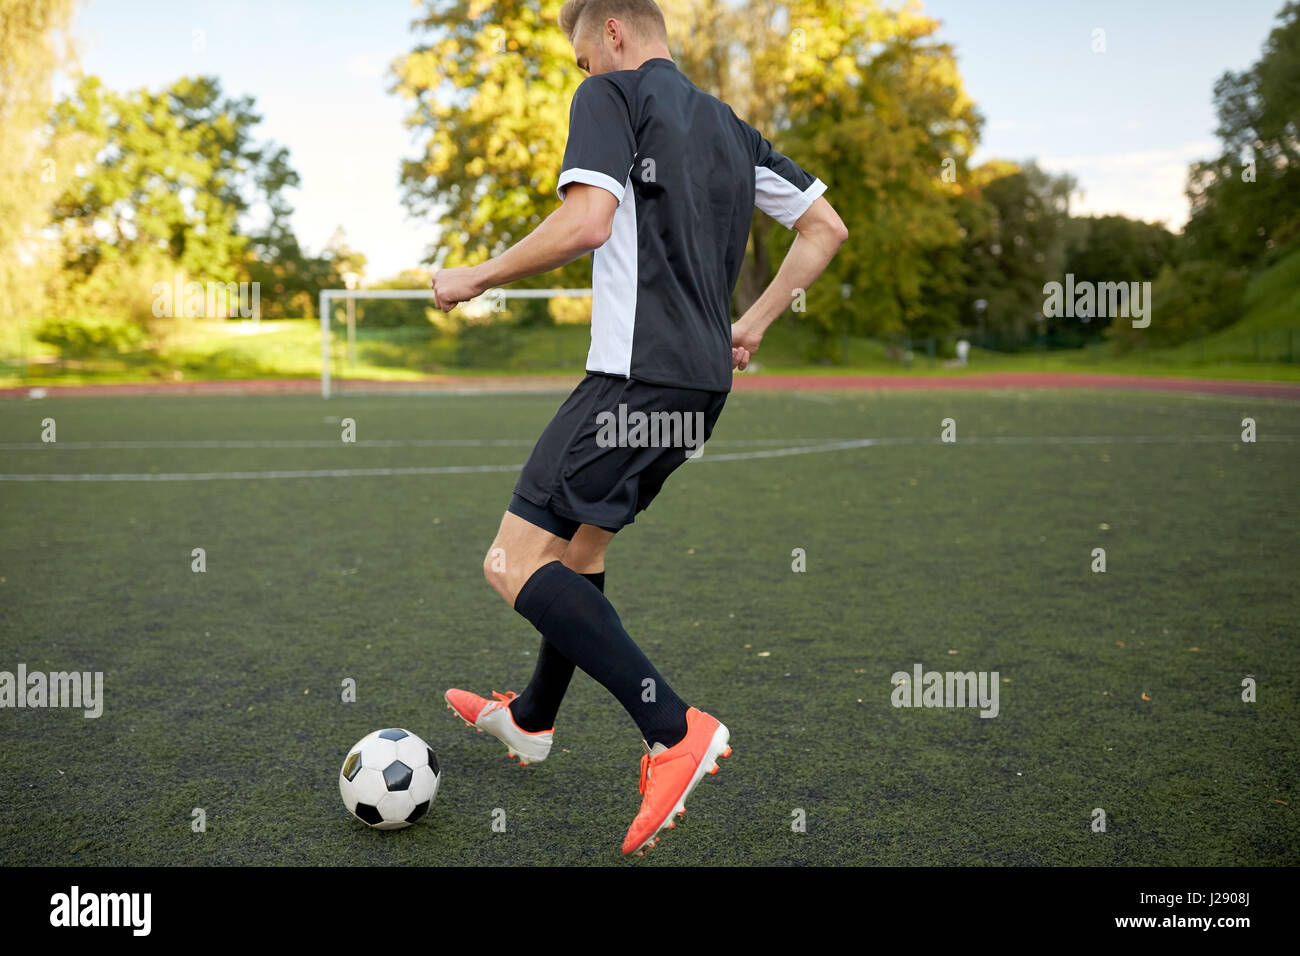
(1246, 202)
(1018, 243)
(489, 91)
(175, 178)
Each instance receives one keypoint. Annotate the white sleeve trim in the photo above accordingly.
(779, 198)
(589, 177)
(809, 196)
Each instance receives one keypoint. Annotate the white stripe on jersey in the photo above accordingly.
(613, 290)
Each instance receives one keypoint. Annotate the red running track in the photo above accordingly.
(744, 383)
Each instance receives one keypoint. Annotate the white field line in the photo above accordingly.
(337, 443)
(817, 444)
(271, 443)
(809, 449)
(255, 475)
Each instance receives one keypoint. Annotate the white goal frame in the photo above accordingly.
(328, 296)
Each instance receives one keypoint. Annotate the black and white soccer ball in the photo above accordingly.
(389, 779)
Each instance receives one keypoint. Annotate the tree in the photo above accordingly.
(1246, 202)
(490, 91)
(872, 103)
(1019, 246)
(1191, 299)
(33, 46)
(175, 179)
(1115, 248)
(291, 280)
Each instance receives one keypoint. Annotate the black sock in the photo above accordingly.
(536, 707)
(575, 617)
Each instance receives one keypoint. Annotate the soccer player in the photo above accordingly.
(659, 183)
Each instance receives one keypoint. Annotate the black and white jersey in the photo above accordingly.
(687, 173)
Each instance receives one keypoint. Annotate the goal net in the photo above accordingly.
(382, 337)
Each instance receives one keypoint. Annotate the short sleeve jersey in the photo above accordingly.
(687, 174)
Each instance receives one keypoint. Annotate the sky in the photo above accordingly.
(1125, 122)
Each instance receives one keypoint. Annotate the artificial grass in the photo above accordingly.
(1122, 690)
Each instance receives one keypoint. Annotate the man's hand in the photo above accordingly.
(744, 343)
(451, 287)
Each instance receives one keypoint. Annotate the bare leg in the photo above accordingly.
(536, 707)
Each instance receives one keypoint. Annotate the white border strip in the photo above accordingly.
(733, 456)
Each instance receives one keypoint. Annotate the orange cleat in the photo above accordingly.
(494, 716)
(669, 774)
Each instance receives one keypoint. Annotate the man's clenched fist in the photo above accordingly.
(451, 287)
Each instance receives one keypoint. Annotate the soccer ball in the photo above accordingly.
(389, 779)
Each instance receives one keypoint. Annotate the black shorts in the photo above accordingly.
(601, 464)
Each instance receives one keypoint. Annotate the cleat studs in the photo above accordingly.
(727, 752)
(713, 769)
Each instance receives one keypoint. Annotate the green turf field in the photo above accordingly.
(1119, 691)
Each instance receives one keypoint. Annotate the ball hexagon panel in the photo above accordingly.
(369, 786)
(395, 807)
(423, 783)
(378, 753)
(345, 791)
(412, 751)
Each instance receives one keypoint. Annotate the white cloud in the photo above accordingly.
(1142, 184)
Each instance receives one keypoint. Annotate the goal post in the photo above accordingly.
(491, 301)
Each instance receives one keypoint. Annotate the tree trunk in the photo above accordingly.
(755, 272)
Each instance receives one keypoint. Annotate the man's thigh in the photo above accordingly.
(586, 551)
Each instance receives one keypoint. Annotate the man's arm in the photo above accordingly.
(821, 232)
(581, 224)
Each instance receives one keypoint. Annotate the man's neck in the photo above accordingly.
(640, 59)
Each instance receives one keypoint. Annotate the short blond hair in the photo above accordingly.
(644, 17)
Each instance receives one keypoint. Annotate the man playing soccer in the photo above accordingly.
(659, 183)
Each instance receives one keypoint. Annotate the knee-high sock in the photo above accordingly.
(575, 617)
(536, 707)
